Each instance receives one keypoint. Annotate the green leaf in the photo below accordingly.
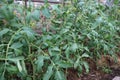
(29, 32)
(89, 36)
(85, 55)
(2, 77)
(85, 64)
(106, 48)
(54, 51)
(64, 64)
(55, 7)
(76, 64)
(64, 31)
(28, 78)
(59, 75)
(80, 68)
(94, 33)
(12, 69)
(74, 47)
(18, 52)
(40, 62)
(99, 20)
(19, 66)
(56, 21)
(18, 25)
(36, 15)
(16, 45)
(48, 73)
(86, 48)
(4, 31)
(16, 58)
(23, 66)
(28, 17)
(46, 12)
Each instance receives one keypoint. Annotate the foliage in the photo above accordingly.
(70, 34)
(106, 70)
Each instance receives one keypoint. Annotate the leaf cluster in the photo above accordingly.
(70, 34)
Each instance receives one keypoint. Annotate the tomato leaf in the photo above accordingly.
(48, 73)
(59, 75)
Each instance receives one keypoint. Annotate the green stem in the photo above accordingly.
(2, 59)
(33, 69)
(31, 60)
(7, 50)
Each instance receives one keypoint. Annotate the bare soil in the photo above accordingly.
(98, 75)
(95, 73)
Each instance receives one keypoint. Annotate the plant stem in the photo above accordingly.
(7, 50)
(31, 60)
(33, 70)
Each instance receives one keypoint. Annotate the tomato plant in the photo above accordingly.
(70, 34)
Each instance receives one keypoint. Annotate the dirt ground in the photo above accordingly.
(93, 75)
(97, 75)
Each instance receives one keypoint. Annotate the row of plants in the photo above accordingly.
(70, 34)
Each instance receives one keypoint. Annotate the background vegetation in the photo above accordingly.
(65, 38)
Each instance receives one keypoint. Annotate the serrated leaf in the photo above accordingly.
(64, 64)
(59, 75)
(28, 17)
(80, 68)
(18, 52)
(53, 51)
(94, 33)
(12, 69)
(105, 47)
(76, 64)
(86, 48)
(55, 7)
(56, 49)
(29, 32)
(18, 25)
(36, 15)
(40, 62)
(64, 47)
(4, 31)
(74, 47)
(85, 64)
(16, 45)
(48, 73)
(46, 12)
(64, 31)
(89, 36)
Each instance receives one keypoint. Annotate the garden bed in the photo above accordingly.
(81, 38)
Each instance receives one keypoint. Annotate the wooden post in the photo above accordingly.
(25, 3)
(63, 3)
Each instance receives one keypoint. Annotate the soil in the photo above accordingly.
(98, 75)
(95, 73)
